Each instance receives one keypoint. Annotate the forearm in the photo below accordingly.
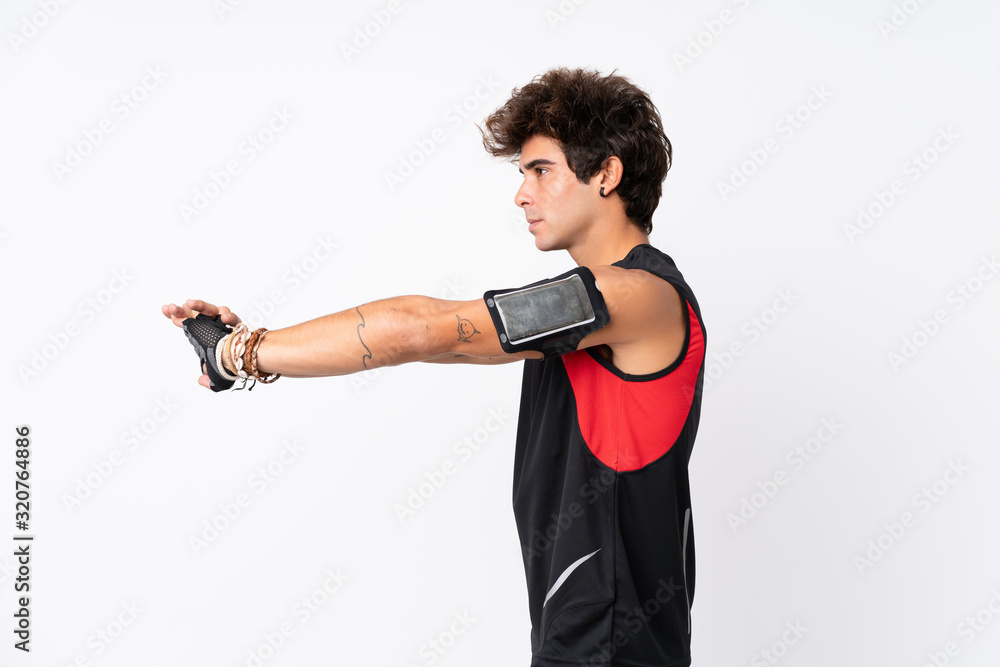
(381, 333)
(454, 358)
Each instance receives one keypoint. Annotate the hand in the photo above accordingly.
(191, 308)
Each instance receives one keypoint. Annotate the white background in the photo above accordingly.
(819, 552)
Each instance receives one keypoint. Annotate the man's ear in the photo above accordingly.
(610, 175)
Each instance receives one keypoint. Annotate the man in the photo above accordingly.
(613, 357)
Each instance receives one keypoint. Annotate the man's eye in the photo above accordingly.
(540, 170)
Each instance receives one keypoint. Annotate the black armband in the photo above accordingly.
(551, 316)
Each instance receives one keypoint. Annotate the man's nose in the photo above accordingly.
(523, 196)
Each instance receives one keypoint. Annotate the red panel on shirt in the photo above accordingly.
(628, 424)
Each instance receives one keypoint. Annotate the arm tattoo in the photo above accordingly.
(365, 356)
(466, 329)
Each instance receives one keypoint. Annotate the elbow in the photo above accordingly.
(422, 338)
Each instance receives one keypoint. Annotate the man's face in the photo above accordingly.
(558, 207)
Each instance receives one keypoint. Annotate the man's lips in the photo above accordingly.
(533, 222)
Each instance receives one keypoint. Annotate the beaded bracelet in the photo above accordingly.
(243, 353)
(220, 346)
(241, 334)
(253, 360)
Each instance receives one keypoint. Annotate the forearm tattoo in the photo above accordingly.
(364, 357)
(466, 330)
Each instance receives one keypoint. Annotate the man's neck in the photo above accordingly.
(608, 248)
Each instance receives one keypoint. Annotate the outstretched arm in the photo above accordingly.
(645, 334)
(387, 332)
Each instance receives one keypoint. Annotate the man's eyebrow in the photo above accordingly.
(535, 163)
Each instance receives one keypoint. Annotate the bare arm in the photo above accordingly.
(646, 332)
(388, 332)
(466, 359)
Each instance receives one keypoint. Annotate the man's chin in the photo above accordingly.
(546, 244)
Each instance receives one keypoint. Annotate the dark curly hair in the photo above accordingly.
(592, 117)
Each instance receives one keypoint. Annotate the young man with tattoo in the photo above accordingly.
(613, 355)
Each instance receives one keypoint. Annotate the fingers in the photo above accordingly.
(228, 317)
(202, 307)
(192, 307)
(176, 313)
(204, 380)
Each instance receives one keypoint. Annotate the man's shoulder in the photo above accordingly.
(637, 298)
(651, 259)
